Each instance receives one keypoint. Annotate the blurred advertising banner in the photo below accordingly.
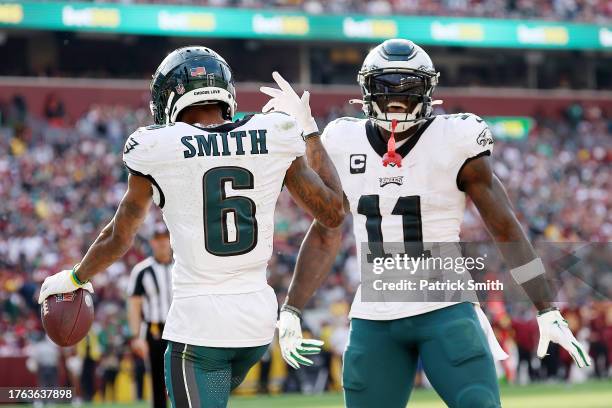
(155, 19)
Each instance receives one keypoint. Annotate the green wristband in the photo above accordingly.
(75, 278)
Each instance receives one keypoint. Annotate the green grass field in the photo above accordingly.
(588, 395)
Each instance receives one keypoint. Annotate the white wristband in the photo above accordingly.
(529, 271)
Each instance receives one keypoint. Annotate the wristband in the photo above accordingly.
(548, 309)
(529, 271)
(291, 309)
(311, 135)
(75, 278)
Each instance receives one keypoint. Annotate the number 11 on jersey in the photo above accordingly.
(409, 208)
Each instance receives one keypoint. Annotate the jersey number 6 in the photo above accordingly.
(218, 209)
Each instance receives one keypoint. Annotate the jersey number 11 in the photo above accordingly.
(409, 208)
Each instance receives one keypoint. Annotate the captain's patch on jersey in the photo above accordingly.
(358, 163)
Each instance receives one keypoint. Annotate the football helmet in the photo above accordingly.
(191, 76)
(397, 72)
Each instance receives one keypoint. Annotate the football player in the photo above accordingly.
(434, 163)
(217, 183)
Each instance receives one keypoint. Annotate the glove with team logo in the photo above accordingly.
(62, 282)
(553, 327)
(286, 100)
(293, 346)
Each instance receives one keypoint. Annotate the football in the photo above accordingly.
(67, 317)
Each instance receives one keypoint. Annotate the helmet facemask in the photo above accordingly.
(403, 95)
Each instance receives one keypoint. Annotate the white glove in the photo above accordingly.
(553, 327)
(286, 100)
(293, 346)
(61, 282)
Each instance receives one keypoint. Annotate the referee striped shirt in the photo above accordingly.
(153, 281)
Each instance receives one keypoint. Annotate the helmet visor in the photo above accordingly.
(397, 83)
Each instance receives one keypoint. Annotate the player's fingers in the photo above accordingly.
(312, 342)
(273, 92)
(88, 287)
(308, 350)
(290, 360)
(543, 346)
(43, 292)
(301, 359)
(579, 354)
(282, 83)
(269, 106)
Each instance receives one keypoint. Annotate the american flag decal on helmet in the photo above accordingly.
(197, 71)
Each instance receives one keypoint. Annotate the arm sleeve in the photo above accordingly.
(138, 153)
(140, 159)
(477, 138)
(288, 137)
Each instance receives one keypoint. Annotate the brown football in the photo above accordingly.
(67, 317)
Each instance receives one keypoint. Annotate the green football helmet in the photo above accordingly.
(191, 76)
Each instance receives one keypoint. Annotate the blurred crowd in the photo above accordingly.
(579, 10)
(61, 182)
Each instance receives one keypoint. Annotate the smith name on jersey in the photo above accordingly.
(417, 202)
(217, 188)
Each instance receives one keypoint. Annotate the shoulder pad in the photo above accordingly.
(155, 127)
(468, 117)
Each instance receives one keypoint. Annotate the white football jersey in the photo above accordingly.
(217, 188)
(419, 201)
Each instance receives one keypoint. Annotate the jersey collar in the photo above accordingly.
(226, 127)
(380, 146)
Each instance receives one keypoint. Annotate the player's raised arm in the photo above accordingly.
(314, 183)
(112, 243)
(477, 179)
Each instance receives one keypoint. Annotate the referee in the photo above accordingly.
(150, 295)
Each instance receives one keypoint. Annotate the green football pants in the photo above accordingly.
(202, 377)
(381, 359)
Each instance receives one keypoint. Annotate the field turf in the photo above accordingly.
(588, 395)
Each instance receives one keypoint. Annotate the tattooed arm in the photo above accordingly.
(117, 237)
(315, 260)
(315, 185)
(478, 181)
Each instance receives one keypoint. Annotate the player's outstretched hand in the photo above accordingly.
(293, 346)
(286, 100)
(61, 282)
(553, 327)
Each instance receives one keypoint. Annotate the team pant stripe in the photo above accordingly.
(167, 376)
(184, 375)
(189, 376)
(176, 372)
